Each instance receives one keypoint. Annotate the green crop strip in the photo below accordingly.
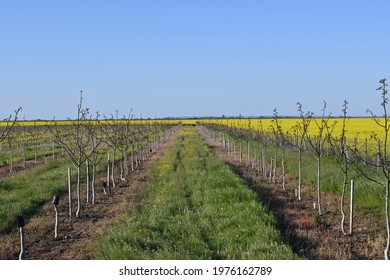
(195, 208)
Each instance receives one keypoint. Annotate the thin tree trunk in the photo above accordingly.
(87, 166)
(108, 169)
(248, 153)
(21, 243)
(126, 165)
(132, 158)
(113, 168)
(36, 153)
(299, 173)
(70, 192)
(78, 192)
(342, 205)
(284, 175)
(11, 163)
(240, 150)
(387, 217)
(352, 207)
(24, 156)
(93, 181)
(56, 222)
(319, 186)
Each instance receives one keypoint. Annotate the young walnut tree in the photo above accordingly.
(76, 142)
(317, 144)
(384, 160)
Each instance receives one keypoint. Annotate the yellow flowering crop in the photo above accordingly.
(357, 129)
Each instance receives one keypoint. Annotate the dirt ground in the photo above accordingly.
(18, 167)
(77, 236)
(312, 236)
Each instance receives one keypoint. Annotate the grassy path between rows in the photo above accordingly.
(195, 208)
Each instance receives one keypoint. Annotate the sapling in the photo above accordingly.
(75, 142)
(21, 223)
(317, 144)
(340, 149)
(300, 132)
(56, 200)
(70, 192)
(8, 124)
(108, 169)
(351, 207)
(104, 185)
(87, 179)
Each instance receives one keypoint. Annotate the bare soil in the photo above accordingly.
(77, 236)
(18, 167)
(310, 235)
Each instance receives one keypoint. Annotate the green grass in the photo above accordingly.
(195, 208)
(17, 156)
(25, 192)
(368, 195)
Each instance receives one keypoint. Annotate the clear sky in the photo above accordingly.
(192, 57)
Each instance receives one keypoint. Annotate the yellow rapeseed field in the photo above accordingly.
(357, 129)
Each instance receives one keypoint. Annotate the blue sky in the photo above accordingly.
(192, 58)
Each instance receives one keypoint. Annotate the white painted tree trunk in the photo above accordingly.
(24, 156)
(299, 173)
(284, 175)
(132, 158)
(240, 150)
(125, 163)
(248, 153)
(11, 163)
(36, 153)
(93, 181)
(21, 243)
(351, 207)
(108, 169)
(78, 193)
(319, 186)
(387, 217)
(113, 169)
(70, 192)
(122, 168)
(254, 160)
(342, 205)
(56, 223)
(228, 145)
(87, 167)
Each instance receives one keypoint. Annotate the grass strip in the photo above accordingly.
(25, 192)
(195, 208)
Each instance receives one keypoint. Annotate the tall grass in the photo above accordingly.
(195, 208)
